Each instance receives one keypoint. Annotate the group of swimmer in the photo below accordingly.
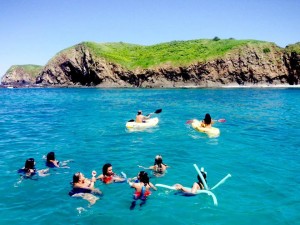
(85, 188)
(29, 170)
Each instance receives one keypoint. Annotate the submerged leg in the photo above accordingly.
(143, 202)
(133, 203)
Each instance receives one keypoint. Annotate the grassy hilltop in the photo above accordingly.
(32, 70)
(175, 53)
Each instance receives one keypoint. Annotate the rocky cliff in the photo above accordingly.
(246, 65)
(21, 75)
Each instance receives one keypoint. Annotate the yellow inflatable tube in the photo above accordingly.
(210, 131)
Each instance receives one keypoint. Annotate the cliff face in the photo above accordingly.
(21, 75)
(77, 66)
(248, 65)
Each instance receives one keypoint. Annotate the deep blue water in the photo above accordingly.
(258, 146)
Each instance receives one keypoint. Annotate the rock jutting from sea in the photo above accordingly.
(91, 64)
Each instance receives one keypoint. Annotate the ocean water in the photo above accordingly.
(258, 145)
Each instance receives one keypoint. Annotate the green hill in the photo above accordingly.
(32, 70)
(294, 48)
(175, 53)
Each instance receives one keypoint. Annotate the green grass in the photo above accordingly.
(175, 53)
(294, 48)
(32, 70)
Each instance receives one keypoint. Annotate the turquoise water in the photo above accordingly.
(258, 146)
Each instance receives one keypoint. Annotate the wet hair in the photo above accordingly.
(143, 177)
(29, 164)
(204, 176)
(207, 119)
(139, 112)
(50, 156)
(158, 161)
(76, 178)
(105, 167)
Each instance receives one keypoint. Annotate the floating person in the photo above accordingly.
(159, 168)
(84, 188)
(142, 189)
(140, 118)
(196, 186)
(108, 176)
(29, 170)
(53, 163)
(199, 187)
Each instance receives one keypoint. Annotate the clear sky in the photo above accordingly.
(33, 31)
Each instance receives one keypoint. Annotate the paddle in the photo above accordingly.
(156, 112)
(219, 120)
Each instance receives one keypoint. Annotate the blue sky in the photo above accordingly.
(33, 31)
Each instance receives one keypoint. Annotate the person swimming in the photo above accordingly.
(51, 161)
(196, 186)
(142, 188)
(83, 187)
(29, 169)
(108, 176)
(159, 168)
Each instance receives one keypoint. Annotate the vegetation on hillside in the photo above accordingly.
(294, 48)
(175, 53)
(32, 70)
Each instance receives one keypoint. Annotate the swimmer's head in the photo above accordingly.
(158, 160)
(139, 112)
(204, 176)
(76, 177)
(107, 169)
(50, 156)
(29, 164)
(207, 119)
(143, 177)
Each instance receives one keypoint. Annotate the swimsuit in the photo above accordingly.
(107, 179)
(25, 172)
(200, 185)
(51, 165)
(79, 190)
(142, 195)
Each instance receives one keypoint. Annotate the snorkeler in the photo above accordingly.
(142, 188)
(83, 187)
(108, 176)
(29, 169)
